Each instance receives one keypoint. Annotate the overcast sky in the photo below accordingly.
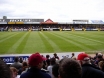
(57, 10)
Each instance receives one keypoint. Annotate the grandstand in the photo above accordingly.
(81, 42)
(49, 25)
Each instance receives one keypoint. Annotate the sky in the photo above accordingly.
(57, 10)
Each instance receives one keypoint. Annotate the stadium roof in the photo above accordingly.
(49, 21)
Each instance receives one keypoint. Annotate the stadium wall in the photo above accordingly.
(9, 58)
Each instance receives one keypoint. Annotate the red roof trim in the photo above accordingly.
(49, 21)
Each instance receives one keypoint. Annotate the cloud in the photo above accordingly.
(57, 10)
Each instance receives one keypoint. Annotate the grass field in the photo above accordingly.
(51, 41)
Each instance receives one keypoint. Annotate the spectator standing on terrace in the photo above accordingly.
(14, 72)
(49, 68)
(44, 64)
(88, 70)
(95, 56)
(55, 69)
(47, 60)
(36, 64)
(24, 68)
(73, 56)
(69, 68)
(101, 65)
(55, 56)
(99, 58)
(20, 60)
(4, 70)
(16, 63)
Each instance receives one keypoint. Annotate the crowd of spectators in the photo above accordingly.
(44, 27)
(39, 66)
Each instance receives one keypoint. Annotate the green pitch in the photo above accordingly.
(51, 41)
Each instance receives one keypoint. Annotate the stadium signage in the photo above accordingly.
(11, 22)
(24, 20)
(80, 21)
(31, 22)
(19, 22)
(97, 22)
(10, 59)
(3, 22)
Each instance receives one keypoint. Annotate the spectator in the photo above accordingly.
(88, 70)
(36, 64)
(44, 63)
(20, 60)
(14, 72)
(55, 56)
(101, 65)
(55, 69)
(4, 70)
(92, 61)
(69, 68)
(49, 68)
(47, 56)
(99, 58)
(47, 60)
(16, 64)
(73, 56)
(24, 67)
(95, 56)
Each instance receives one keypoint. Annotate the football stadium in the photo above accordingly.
(19, 38)
(51, 39)
(26, 36)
